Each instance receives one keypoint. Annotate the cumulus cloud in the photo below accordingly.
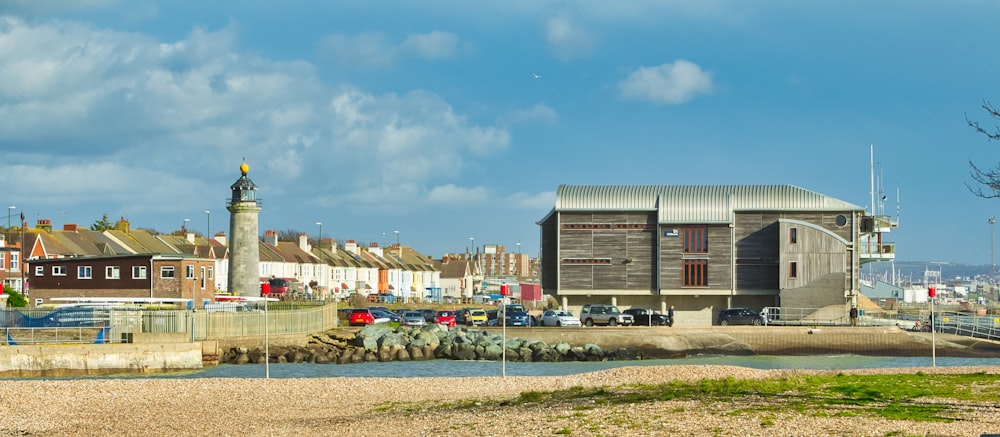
(567, 38)
(378, 50)
(175, 116)
(671, 84)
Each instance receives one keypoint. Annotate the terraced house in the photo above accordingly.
(707, 247)
(125, 262)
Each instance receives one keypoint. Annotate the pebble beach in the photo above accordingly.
(425, 407)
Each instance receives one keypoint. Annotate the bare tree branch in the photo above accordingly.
(987, 182)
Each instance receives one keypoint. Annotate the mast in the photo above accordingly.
(871, 174)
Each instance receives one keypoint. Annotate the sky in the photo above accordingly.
(447, 120)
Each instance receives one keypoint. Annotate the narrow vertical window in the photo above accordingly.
(695, 273)
(695, 239)
(793, 235)
(793, 270)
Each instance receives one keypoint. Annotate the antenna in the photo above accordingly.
(871, 174)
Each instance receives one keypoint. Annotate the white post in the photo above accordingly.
(267, 352)
(933, 340)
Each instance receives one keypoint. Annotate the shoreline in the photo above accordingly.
(428, 406)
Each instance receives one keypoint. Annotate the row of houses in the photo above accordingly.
(125, 262)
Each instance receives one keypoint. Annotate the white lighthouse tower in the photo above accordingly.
(244, 258)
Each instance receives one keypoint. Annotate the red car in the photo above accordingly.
(365, 316)
(445, 317)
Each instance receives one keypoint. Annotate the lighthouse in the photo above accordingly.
(244, 258)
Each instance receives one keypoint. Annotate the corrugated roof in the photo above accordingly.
(695, 203)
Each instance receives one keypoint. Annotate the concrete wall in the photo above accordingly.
(53, 360)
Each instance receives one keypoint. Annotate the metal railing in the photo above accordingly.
(47, 326)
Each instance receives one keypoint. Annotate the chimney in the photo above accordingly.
(351, 246)
(190, 237)
(304, 242)
(122, 225)
(373, 248)
(271, 237)
(70, 227)
(45, 225)
(329, 244)
(220, 237)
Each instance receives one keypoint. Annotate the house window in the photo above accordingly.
(695, 273)
(203, 277)
(39, 271)
(84, 272)
(138, 272)
(793, 270)
(211, 273)
(167, 272)
(15, 257)
(696, 239)
(793, 235)
(112, 272)
(58, 270)
(189, 272)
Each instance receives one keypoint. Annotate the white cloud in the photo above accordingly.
(567, 38)
(377, 50)
(673, 83)
(454, 195)
(535, 202)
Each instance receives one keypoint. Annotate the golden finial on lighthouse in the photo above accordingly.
(244, 168)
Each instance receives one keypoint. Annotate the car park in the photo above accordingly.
(445, 317)
(413, 318)
(601, 314)
(647, 317)
(740, 316)
(393, 317)
(560, 318)
(475, 317)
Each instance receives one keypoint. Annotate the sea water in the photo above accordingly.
(451, 368)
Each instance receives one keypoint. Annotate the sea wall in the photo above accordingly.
(55, 360)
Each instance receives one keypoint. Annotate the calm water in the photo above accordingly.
(492, 368)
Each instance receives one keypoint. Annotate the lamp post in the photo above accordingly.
(9, 209)
(185, 225)
(208, 224)
(472, 246)
(399, 248)
(992, 221)
(320, 240)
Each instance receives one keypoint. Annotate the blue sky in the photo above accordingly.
(428, 118)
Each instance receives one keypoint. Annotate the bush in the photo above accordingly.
(14, 299)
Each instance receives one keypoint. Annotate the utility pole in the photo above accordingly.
(992, 221)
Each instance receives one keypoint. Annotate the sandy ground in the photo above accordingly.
(427, 406)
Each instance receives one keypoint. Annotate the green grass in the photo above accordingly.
(921, 397)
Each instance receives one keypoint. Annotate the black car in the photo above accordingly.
(740, 316)
(647, 317)
(429, 314)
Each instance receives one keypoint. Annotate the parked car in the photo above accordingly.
(647, 317)
(491, 317)
(476, 317)
(515, 315)
(740, 316)
(393, 317)
(429, 314)
(413, 318)
(560, 318)
(365, 316)
(445, 317)
(601, 314)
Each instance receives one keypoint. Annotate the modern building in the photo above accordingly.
(704, 248)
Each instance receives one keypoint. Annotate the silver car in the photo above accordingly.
(413, 318)
(560, 318)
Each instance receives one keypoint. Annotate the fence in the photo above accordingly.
(82, 325)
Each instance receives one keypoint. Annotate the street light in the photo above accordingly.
(208, 224)
(184, 227)
(992, 221)
(398, 247)
(9, 208)
(320, 241)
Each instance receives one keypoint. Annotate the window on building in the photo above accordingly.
(167, 271)
(39, 271)
(58, 270)
(793, 270)
(189, 271)
(695, 273)
(211, 272)
(203, 277)
(138, 272)
(793, 235)
(696, 239)
(112, 272)
(84, 272)
(15, 259)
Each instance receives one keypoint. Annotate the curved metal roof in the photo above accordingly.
(695, 203)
